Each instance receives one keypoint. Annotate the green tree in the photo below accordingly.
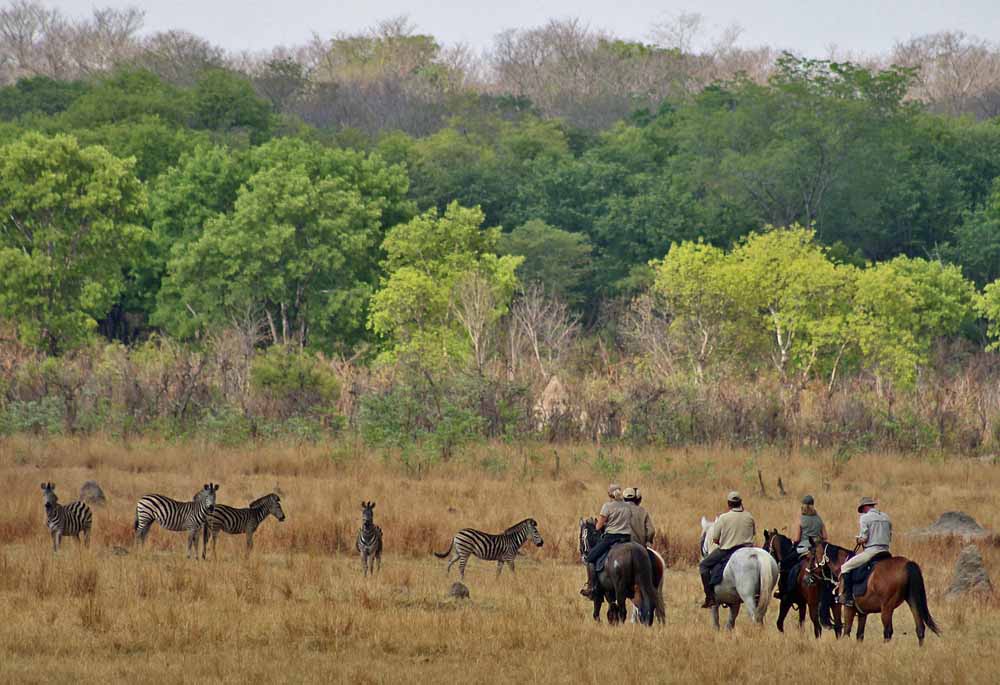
(298, 247)
(902, 306)
(69, 227)
(224, 101)
(977, 240)
(429, 260)
(555, 259)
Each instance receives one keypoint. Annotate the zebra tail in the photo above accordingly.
(444, 554)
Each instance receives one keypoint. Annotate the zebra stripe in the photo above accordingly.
(174, 515)
(69, 520)
(369, 542)
(235, 521)
(499, 548)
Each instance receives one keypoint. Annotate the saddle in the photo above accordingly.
(860, 575)
(603, 559)
(720, 567)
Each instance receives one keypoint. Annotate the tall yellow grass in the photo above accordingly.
(299, 610)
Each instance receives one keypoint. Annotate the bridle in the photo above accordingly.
(824, 566)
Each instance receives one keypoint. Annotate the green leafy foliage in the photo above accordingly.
(68, 231)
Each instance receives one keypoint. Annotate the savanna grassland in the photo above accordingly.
(300, 611)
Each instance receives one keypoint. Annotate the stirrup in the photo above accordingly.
(709, 603)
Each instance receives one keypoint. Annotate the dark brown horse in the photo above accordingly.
(893, 581)
(628, 574)
(806, 590)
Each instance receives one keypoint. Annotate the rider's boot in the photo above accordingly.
(846, 596)
(588, 589)
(706, 583)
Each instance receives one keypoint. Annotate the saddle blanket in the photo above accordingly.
(860, 575)
(657, 571)
(720, 567)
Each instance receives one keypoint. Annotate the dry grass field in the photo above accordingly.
(300, 611)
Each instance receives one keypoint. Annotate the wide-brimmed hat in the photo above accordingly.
(614, 490)
(630, 493)
(866, 502)
(808, 499)
(734, 497)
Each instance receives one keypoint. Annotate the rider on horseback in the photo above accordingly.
(640, 523)
(875, 536)
(809, 527)
(731, 531)
(615, 520)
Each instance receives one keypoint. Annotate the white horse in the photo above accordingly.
(748, 578)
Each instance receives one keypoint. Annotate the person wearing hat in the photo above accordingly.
(732, 530)
(615, 520)
(875, 536)
(809, 527)
(640, 522)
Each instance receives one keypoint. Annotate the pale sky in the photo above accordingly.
(804, 26)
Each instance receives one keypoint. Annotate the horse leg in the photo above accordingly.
(734, 611)
(598, 602)
(862, 620)
(887, 610)
(782, 612)
(918, 620)
(838, 620)
(849, 619)
(802, 615)
(715, 616)
(813, 604)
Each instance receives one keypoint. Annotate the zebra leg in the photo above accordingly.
(86, 538)
(249, 543)
(452, 561)
(499, 567)
(364, 563)
(510, 562)
(461, 567)
(193, 543)
(55, 541)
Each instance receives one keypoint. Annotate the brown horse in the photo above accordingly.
(893, 581)
(805, 590)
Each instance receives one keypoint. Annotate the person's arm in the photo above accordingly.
(650, 530)
(715, 532)
(602, 521)
(797, 527)
(863, 533)
(822, 533)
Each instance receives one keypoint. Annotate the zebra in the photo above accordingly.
(71, 519)
(235, 521)
(369, 539)
(174, 515)
(499, 548)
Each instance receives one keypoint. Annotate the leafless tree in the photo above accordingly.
(178, 57)
(473, 304)
(958, 73)
(546, 325)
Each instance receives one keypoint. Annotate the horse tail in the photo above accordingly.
(650, 596)
(916, 595)
(768, 577)
(661, 607)
(444, 554)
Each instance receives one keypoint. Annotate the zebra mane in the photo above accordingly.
(522, 524)
(262, 501)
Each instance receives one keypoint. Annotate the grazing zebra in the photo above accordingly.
(369, 539)
(235, 521)
(499, 548)
(174, 515)
(72, 519)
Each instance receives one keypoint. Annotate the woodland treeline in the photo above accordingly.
(571, 236)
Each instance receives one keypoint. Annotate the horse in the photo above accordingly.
(893, 581)
(748, 578)
(805, 590)
(627, 574)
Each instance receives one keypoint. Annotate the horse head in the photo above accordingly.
(706, 528)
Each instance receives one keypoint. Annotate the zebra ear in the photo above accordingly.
(44, 486)
(372, 504)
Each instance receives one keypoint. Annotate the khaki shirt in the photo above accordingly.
(734, 528)
(641, 525)
(876, 529)
(619, 516)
